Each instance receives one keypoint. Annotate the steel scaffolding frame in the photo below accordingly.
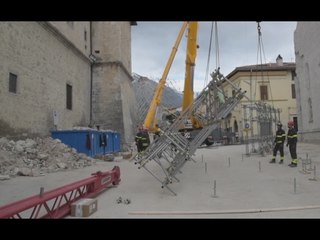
(165, 157)
(262, 117)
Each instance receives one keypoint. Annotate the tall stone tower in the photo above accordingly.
(307, 53)
(113, 100)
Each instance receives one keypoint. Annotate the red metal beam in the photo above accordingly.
(86, 188)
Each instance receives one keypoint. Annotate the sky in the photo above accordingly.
(152, 43)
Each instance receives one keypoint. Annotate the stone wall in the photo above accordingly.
(48, 56)
(113, 100)
(307, 51)
(44, 63)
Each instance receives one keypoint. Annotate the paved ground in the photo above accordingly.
(243, 190)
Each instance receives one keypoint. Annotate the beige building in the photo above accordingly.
(271, 83)
(57, 75)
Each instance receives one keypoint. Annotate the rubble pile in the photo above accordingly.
(35, 157)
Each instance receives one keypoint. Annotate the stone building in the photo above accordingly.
(307, 52)
(57, 75)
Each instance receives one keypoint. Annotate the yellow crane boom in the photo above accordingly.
(188, 94)
(150, 120)
(190, 65)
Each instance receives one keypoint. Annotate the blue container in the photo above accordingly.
(116, 141)
(110, 142)
(84, 141)
(106, 137)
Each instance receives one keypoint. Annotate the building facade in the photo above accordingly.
(272, 84)
(307, 52)
(55, 75)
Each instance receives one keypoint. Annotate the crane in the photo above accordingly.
(150, 120)
(199, 118)
(188, 93)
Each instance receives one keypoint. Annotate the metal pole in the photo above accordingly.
(247, 144)
(310, 167)
(214, 189)
(41, 191)
(314, 174)
(245, 119)
(259, 166)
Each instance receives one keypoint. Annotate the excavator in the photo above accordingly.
(192, 125)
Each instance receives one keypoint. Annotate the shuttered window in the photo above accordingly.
(264, 92)
(293, 91)
(13, 83)
(69, 97)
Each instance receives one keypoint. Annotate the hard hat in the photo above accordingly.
(290, 123)
(279, 124)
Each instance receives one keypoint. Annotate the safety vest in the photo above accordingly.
(280, 136)
(145, 139)
(292, 136)
(138, 137)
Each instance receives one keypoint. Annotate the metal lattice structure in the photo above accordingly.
(165, 157)
(263, 118)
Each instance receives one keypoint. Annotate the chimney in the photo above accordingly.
(279, 60)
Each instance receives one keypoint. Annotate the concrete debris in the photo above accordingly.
(124, 201)
(106, 157)
(127, 155)
(62, 165)
(24, 172)
(4, 177)
(34, 157)
(119, 200)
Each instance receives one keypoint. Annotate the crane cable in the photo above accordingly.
(209, 52)
(262, 54)
(217, 46)
(208, 60)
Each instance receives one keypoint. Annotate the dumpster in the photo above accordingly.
(108, 138)
(116, 142)
(84, 141)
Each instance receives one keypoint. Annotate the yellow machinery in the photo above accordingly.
(150, 120)
(190, 65)
(188, 93)
(185, 135)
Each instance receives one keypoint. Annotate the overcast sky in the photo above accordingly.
(152, 43)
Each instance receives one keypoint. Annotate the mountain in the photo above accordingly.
(144, 90)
